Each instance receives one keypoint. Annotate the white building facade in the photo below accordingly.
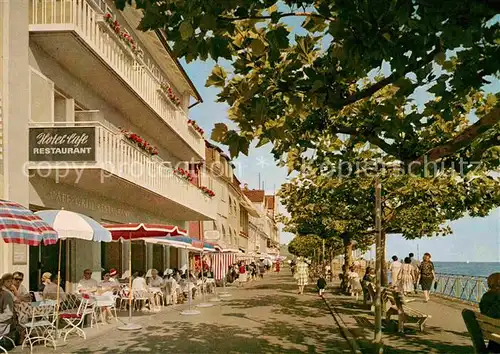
(80, 69)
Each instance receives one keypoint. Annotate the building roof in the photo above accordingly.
(221, 152)
(270, 202)
(255, 195)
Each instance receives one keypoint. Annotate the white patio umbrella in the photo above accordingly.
(71, 225)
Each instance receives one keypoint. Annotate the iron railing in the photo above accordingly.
(464, 288)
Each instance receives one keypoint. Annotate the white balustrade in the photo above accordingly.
(116, 155)
(87, 20)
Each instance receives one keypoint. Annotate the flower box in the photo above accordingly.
(140, 142)
(124, 39)
(184, 174)
(168, 93)
(192, 124)
(207, 191)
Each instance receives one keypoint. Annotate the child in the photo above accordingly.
(368, 278)
(321, 285)
(355, 283)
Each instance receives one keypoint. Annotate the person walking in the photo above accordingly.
(415, 264)
(321, 283)
(301, 274)
(427, 275)
(242, 278)
(405, 278)
(262, 269)
(395, 268)
(292, 267)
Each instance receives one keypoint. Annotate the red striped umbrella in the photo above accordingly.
(140, 230)
(21, 225)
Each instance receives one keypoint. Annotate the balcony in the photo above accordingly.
(97, 159)
(76, 35)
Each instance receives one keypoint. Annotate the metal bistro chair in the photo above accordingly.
(5, 336)
(141, 298)
(107, 301)
(74, 320)
(42, 324)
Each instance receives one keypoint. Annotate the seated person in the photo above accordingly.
(490, 305)
(87, 284)
(18, 289)
(139, 283)
(6, 307)
(108, 285)
(45, 280)
(177, 275)
(50, 290)
(155, 281)
(113, 275)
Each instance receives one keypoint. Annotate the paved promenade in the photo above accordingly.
(266, 316)
(445, 332)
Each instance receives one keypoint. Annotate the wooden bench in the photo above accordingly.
(405, 313)
(482, 328)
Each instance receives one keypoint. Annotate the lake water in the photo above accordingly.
(483, 269)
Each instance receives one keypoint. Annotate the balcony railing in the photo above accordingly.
(117, 156)
(464, 288)
(86, 19)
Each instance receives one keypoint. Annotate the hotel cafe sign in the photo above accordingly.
(62, 144)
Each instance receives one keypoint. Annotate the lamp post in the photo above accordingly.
(378, 266)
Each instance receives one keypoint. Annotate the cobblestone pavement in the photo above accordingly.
(265, 316)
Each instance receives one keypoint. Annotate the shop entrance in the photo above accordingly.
(44, 259)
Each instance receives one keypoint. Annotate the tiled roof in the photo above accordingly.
(255, 195)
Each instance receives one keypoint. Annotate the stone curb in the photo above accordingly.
(351, 340)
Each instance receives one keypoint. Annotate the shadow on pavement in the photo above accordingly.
(284, 304)
(182, 337)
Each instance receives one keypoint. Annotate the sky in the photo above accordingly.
(473, 239)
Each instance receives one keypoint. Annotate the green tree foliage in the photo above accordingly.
(304, 246)
(339, 199)
(353, 67)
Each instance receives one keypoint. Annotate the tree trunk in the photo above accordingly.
(347, 259)
(332, 268)
(384, 259)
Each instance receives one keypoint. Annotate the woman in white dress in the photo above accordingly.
(406, 277)
(395, 269)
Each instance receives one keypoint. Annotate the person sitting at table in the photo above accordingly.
(50, 290)
(113, 276)
(139, 283)
(170, 286)
(7, 327)
(18, 289)
(108, 285)
(87, 284)
(155, 281)
(140, 287)
(176, 275)
(45, 280)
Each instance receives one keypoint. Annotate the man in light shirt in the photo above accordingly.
(155, 281)
(87, 284)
